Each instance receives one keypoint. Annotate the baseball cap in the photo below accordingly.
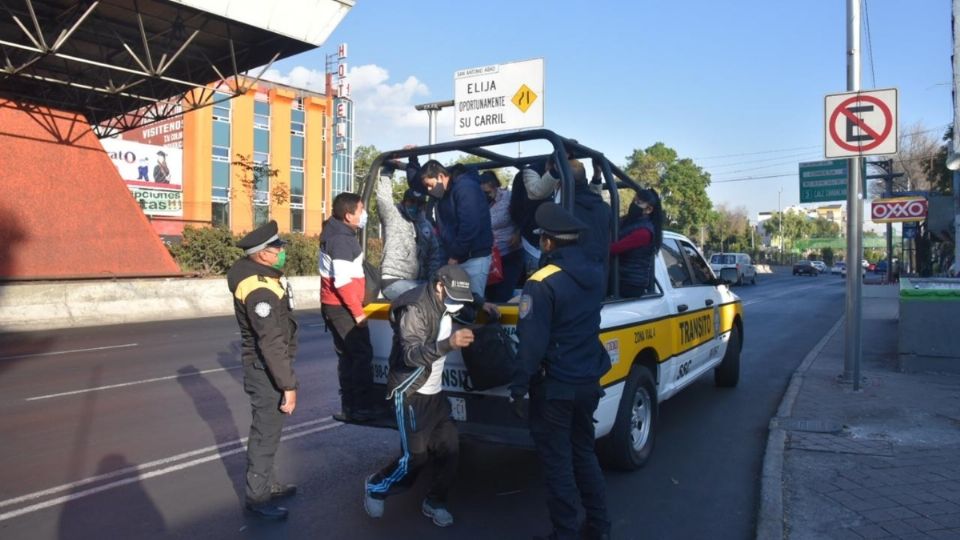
(456, 282)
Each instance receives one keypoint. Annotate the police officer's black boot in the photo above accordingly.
(265, 510)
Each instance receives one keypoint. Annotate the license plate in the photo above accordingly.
(459, 406)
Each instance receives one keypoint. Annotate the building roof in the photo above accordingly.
(126, 63)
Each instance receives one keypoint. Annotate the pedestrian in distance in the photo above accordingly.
(342, 288)
(424, 332)
(559, 362)
(262, 302)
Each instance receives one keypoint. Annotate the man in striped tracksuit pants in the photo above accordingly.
(422, 336)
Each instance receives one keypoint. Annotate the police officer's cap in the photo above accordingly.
(554, 221)
(262, 237)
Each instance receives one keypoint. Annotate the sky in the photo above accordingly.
(738, 86)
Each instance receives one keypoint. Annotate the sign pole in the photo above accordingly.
(852, 353)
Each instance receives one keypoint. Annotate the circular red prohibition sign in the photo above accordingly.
(878, 138)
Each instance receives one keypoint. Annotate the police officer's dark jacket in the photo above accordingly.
(415, 319)
(268, 331)
(559, 321)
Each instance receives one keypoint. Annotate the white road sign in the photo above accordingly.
(500, 97)
(861, 123)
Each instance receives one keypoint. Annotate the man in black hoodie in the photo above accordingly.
(268, 337)
(560, 361)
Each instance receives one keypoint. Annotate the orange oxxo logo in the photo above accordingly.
(886, 210)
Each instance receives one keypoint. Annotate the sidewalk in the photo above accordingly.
(883, 462)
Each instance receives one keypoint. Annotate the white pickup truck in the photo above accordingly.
(658, 344)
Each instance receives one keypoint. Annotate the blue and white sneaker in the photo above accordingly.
(437, 512)
(372, 505)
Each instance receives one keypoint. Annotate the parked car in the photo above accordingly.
(881, 267)
(805, 267)
(821, 266)
(746, 272)
(839, 268)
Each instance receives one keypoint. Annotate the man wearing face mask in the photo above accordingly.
(411, 249)
(423, 335)
(268, 333)
(463, 217)
(560, 361)
(342, 287)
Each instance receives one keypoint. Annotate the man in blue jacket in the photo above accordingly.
(560, 361)
(463, 218)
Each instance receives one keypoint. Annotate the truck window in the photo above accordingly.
(700, 270)
(676, 267)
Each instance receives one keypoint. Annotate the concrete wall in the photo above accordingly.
(50, 305)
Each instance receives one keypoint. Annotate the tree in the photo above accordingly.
(824, 228)
(935, 169)
(729, 229)
(256, 179)
(682, 186)
(917, 159)
(363, 157)
(795, 227)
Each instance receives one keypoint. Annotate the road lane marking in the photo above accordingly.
(140, 473)
(779, 294)
(131, 383)
(56, 353)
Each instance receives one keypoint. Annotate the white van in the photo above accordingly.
(741, 261)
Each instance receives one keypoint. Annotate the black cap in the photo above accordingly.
(552, 219)
(261, 237)
(456, 282)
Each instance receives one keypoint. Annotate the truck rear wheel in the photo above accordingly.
(630, 442)
(727, 374)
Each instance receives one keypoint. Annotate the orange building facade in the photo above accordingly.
(283, 135)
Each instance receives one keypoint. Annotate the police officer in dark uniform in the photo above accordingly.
(263, 305)
(560, 362)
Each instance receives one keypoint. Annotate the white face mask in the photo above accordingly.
(452, 307)
(363, 219)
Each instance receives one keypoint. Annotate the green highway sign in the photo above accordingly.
(823, 181)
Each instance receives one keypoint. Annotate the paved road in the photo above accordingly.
(135, 431)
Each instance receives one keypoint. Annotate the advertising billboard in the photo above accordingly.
(154, 175)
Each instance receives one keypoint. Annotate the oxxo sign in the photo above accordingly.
(498, 98)
(901, 209)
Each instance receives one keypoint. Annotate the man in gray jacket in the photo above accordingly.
(411, 249)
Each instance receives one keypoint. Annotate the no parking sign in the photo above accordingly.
(861, 123)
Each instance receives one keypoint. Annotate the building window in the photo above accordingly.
(221, 213)
(221, 107)
(296, 122)
(261, 115)
(296, 220)
(221, 153)
(261, 214)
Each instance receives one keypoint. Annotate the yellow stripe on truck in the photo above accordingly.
(667, 337)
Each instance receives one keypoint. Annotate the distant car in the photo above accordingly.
(805, 267)
(870, 267)
(881, 267)
(839, 268)
(746, 272)
(863, 272)
(821, 266)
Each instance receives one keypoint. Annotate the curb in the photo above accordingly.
(770, 523)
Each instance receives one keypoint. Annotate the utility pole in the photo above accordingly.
(887, 177)
(853, 350)
(953, 156)
(780, 222)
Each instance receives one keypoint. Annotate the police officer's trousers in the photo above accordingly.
(354, 357)
(427, 435)
(264, 431)
(561, 423)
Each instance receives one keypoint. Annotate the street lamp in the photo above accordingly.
(432, 110)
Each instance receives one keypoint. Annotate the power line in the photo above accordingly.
(738, 163)
(866, 22)
(757, 153)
